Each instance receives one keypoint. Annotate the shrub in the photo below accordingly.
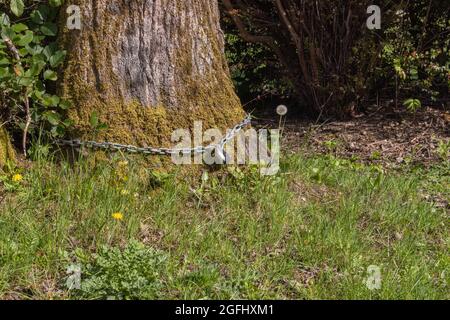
(29, 61)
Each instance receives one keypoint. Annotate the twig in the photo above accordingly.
(27, 123)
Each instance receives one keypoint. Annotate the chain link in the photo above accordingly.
(157, 151)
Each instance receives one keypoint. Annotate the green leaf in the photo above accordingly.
(50, 75)
(49, 50)
(4, 72)
(55, 3)
(25, 39)
(49, 29)
(24, 81)
(40, 15)
(57, 58)
(17, 7)
(39, 57)
(59, 130)
(36, 17)
(4, 62)
(52, 117)
(7, 32)
(35, 69)
(65, 104)
(19, 27)
(38, 91)
(412, 104)
(68, 122)
(36, 50)
(39, 38)
(4, 19)
(414, 73)
(55, 100)
(50, 101)
(23, 52)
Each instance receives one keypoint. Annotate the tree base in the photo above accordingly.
(7, 152)
(147, 69)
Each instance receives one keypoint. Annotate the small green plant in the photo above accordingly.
(157, 179)
(11, 177)
(377, 176)
(207, 190)
(317, 174)
(376, 155)
(331, 145)
(412, 105)
(443, 150)
(136, 272)
(250, 179)
(96, 124)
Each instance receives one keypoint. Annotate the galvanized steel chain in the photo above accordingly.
(158, 151)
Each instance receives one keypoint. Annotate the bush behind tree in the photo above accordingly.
(323, 55)
(29, 62)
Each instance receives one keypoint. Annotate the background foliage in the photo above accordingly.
(29, 61)
(328, 62)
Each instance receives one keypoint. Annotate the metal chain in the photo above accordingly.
(157, 151)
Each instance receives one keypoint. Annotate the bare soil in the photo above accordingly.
(376, 137)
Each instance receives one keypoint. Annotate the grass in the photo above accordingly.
(311, 232)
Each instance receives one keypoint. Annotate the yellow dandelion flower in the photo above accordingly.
(117, 216)
(17, 178)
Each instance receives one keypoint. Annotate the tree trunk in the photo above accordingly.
(6, 149)
(147, 67)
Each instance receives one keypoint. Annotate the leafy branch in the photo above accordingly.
(29, 57)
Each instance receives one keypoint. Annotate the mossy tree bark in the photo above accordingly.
(147, 67)
(6, 149)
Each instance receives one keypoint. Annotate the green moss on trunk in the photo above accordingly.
(147, 68)
(6, 149)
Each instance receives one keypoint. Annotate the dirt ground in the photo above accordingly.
(388, 139)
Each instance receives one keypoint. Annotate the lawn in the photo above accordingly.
(320, 229)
